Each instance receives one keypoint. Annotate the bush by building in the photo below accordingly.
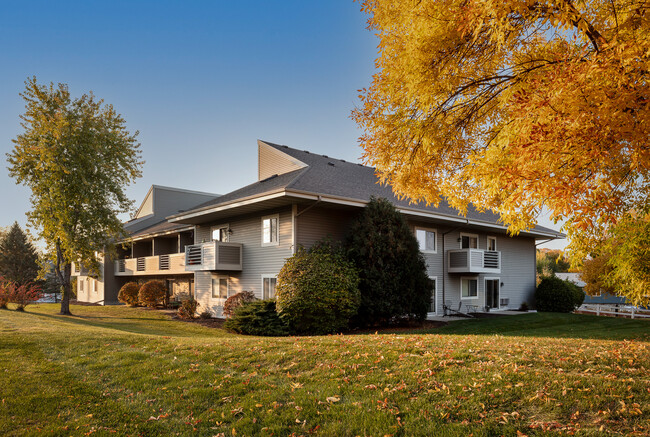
(257, 318)
(128, 294)
(317, 290)
(556, 295)
(187, 310)
(152, 293)
(237, 300)
(393, 279)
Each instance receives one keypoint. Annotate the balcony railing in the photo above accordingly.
(151, 265)
(214, 255)
(473, 261)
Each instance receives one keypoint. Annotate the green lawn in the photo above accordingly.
(133, 371)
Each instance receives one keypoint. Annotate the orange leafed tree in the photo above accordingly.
(513, 106)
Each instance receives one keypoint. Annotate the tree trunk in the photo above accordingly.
(64, 279)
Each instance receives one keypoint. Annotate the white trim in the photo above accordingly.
(468, 234)
(435, 242)
(227, 206)
(350, 202)
(470, 278)
(267, 276)
(487, 246)
(277, 230)
(218, 278)
(491, 278)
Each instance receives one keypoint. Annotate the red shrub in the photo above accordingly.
(4, 295)
(187, 309)
(129, 294)
(23, 295)
(152, 293)
(237, 300)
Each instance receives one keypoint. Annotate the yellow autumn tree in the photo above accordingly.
(514, 106)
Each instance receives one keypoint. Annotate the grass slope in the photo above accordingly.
(135, 372)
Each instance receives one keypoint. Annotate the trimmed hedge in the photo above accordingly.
(317, 291)
(129, 294)
(257, 318)
(556, 295)
(237, 300)
(152, 293)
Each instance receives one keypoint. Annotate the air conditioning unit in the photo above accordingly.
(505, 302)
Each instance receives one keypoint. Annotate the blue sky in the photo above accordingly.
(200, 80)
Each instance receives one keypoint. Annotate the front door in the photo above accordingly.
(492, 293)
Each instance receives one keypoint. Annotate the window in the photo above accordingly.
(81, 284)
(220, 233)
(426, 239)
(270, 230)
(268, 286)
(468, 241)
(220, 288)
(492, 244)
(95, 281)
(468, 288)
(432, 305)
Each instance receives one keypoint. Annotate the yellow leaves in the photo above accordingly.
(475, 103)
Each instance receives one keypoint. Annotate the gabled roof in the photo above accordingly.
(331, 180)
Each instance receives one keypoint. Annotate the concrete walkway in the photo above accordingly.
(456, 318)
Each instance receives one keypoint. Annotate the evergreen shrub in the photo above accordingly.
(317, 290)
(257, 318)
(556, 295)
(394, 284)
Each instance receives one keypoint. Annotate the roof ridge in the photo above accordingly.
(301, 173)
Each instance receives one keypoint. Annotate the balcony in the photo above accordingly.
(151, 265)
(473, 261)
(213, 256)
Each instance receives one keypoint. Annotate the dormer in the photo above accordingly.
(161, 202)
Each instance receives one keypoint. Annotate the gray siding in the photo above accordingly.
(257, 260)
(517, 271)
(317, 223)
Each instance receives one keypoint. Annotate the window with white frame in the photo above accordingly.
(81, 285)
(468, 241)
(426, 239)
(220, 288)
(268, 286)
(95, 281)
(270, 232)
(432, 304)
(492, 243)
(220, 233)
(468, 288)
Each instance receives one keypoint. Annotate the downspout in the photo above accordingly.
(320, 198)
(444, 263)
(294, 218)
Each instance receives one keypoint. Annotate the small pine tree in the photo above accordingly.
(393, 279)
(18, 257)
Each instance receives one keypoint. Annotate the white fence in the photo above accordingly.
(614, 310)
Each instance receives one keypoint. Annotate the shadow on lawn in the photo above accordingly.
(553, 325)
(162, 326)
